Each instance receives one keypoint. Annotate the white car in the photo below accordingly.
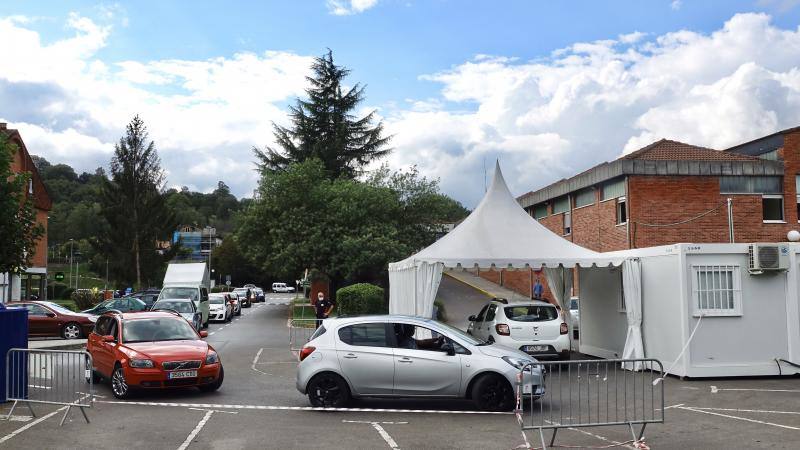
(219, 308)
(575, 313)
(281, 287)
(237, 303)
(535, 327)
(183, 306)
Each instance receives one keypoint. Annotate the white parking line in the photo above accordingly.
(255, 361)
(764, 411)
(35, 422)
(304, 408)
(196, 430)
(381, 431)
(715, 389)
(687, 408)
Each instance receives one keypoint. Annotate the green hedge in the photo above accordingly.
(61, 290)
(359, 299)
(85, 299)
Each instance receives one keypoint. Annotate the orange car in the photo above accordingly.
(156, 349)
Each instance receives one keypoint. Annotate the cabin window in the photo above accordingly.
(717, 290)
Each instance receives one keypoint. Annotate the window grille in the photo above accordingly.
(717, 290)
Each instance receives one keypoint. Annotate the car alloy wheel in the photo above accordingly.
(494, 393)
(118, 384)
(71, 331)
(328, 390)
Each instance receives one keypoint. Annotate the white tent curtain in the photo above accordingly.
(412, 288)
(632, 289)
(559, 280)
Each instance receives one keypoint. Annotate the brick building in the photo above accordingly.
(670, 192)
(34, 280)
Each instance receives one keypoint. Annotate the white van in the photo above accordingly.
(188, 280)
(281, 287)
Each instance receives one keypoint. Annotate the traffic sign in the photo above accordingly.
(59, 276)
(228, 282)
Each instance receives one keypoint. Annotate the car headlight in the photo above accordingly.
(517, 363)
(141, 363)
(212, 358)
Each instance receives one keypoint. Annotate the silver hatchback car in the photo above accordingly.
(401, 356)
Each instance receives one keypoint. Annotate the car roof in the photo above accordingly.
(524, 303)
(378, 318)
(142, 314)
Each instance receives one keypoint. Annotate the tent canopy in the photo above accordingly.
(500, 233)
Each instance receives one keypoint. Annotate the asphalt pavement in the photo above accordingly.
(258, 407)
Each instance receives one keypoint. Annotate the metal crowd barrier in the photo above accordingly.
(594, 393)
(53, 377)
(300, 332)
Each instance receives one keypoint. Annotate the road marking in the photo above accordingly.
(255, 361)
(370, 422)
(196, 430)
(596, 436)
(673, 406)
(19, 418)
(745, 410)
(35, 422)
(715, 389)
(303, 408)
(215, 410)
(381, 431)
(687, 408)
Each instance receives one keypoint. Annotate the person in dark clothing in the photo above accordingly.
(323, 307)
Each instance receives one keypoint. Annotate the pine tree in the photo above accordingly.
(18, 226)
(134, 206)
(324, 127)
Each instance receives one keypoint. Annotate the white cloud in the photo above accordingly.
(588, 103)
(676, 4)
(349, 7)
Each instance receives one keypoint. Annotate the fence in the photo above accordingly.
(300, 332)
(54, 377)
(593, 393)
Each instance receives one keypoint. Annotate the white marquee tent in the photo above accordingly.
(499, 233)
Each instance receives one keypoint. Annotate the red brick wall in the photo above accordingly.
(491, 275)
(22, 163)
(518, 281)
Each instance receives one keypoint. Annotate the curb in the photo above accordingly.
(483, 291)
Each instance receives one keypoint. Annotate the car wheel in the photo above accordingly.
(119, 386)
(493, 393)
(215, 385)
(328, 390)
(71, 331)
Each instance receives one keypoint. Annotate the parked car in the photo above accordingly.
(152, 350)
(258, 294)
(534, 327)
(281, 287)
(399, 356)
(48, 319)
(247, 300)
(220, 309)
(148, 296)
(250, 286)
(236, 302)
(188, 280)
(124, 304)
(183, 306)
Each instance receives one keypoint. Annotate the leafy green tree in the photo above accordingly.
(227, 259)
(18, 226)
(325, 127)
(134, 207)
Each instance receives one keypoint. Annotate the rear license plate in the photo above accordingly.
(536, 348)
(183, 374)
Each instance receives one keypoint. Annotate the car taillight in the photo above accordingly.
(564, 328)
(307, 350)
(502, 329)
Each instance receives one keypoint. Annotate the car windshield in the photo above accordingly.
(181, 306)
(455, 332)
(180, 292)
(58, 308)
(104, 305)
(531, 313)
(216, 300)
(240, 290)
(160, 329)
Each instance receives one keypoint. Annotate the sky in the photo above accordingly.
(547, 88)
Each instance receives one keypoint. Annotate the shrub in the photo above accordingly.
(61, 291)
(85, 298)
(441, 313)
(359, 299)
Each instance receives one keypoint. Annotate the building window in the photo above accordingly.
(717, 290)
(567, 223)
(771, 155)
(622, 211)
(613, 189)
(772, 206)
(540, 211)
(584, 198)
(750, 185)
(561, 205)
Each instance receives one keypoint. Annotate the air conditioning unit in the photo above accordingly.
(768, 258)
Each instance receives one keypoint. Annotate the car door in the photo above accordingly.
(476, 326)
(366, 358)
(42, 321)
(103, 352)
(488, 321)
(422, 366)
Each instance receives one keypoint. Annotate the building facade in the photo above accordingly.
(671, 192)
(199, 242)
(33, 282)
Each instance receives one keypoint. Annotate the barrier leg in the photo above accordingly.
(641, 432)
(553, 439)
(83, 411)
(65, 416)
(541, 437)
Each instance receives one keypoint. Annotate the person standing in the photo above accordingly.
(538, 289)
(323, 307)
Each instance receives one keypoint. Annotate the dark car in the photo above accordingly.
(48, 319)
(148, 296)
(124, 304)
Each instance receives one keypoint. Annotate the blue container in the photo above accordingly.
(13, 334)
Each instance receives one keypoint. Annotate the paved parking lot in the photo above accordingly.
(258, 407)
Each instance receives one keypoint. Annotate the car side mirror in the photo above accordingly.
(448, 348)
(204, 334)
(472, 318)
(51, 314)
(109, 338)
